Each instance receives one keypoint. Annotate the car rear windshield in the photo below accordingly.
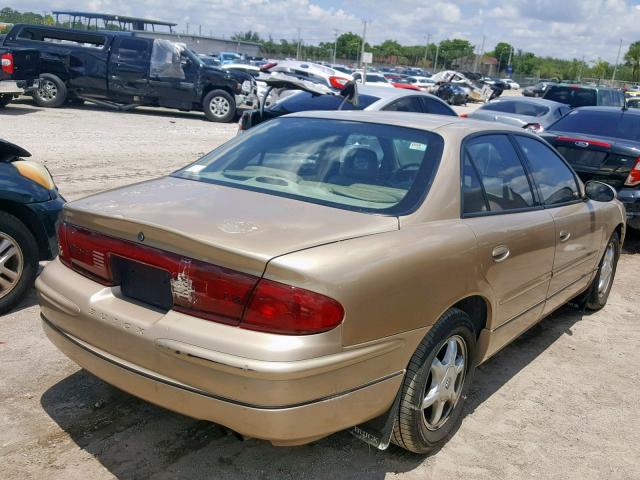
(612, 123)
(350, 165)
(574, 96)
(305, 101)
(517, 108)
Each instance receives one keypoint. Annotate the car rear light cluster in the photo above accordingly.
(634, 175)
(6, 61)
(338, 82)
(588, 142)
(202, 289)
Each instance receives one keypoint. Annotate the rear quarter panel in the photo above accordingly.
(391, 282)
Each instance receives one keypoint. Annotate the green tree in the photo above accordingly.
(453, 49)
(501, 52)
(349, 45)
(248, 36)
(632, 57)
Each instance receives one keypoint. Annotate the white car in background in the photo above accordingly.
(425, 84)
(313, 72)
(373, 79)
(511, 83)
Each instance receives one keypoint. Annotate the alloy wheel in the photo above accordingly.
(445, 382)
(48, 90)
(11, 264)
(220, 106)
(606, 270)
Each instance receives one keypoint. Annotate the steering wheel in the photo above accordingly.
(404, 173)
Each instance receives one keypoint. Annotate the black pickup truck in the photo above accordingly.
(19, 68)
(124, 70)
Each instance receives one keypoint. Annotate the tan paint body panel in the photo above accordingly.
(394, 277)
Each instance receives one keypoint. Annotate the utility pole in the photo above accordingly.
(187, 29)
(615, 69)
(298, 48)
(580, 71)
(435, 62)
(335, 43)
(426, 48)
(364, 36)
(484, 38)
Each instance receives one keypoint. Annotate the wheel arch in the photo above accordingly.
(30, 220)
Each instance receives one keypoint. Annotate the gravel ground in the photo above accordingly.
(560, 402)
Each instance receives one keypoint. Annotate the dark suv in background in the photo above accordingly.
(584, 96)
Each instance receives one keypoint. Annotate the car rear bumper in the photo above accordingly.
(630, 198)
(285, 389)
(286, 425)
(18, 87)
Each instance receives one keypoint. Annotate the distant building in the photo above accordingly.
(145, 27)
(484, 65)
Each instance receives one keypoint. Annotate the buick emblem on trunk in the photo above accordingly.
(582, 144)
(141, 236)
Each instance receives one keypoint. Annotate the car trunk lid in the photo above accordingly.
(597, 158)
(225, 226)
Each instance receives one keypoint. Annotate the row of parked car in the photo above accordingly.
(306, 313)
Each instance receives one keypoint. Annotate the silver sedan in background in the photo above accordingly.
(534, 114)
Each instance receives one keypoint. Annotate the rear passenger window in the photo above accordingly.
(473, 197)
(501, 174)
(133, 49)
(436, 107)
(556, 182)
(405, 104)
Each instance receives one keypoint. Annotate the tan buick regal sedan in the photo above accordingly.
(329, 270)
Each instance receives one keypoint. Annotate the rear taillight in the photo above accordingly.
(279, 308)
(6, 61)
(584, 142)
(203, 289)
(464, 115)
(534, 127)
(338, 82)
(634, 175)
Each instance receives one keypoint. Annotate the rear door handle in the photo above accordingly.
(564, 236)
(500, 253)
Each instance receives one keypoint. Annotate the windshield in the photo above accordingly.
(376, 79)
(612, 123)
(305, 101)
(350, 165)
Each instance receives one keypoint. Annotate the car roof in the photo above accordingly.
(419, 121)
(533, 100)
(387, 93)
(577, 85)
(607, 110)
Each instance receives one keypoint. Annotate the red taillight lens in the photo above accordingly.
(202, 289)
(464, 115)
(634, 175)
(588, 142)
(6, 61)
(279, 308)
(338, 82)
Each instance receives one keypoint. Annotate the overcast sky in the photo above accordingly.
(560, 28)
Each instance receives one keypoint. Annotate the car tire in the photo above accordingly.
(51, 93)
(219, 106)
(18, 261)
(598, 293)
(419, 428)
(5, 100)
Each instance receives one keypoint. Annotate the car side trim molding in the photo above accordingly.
(253, 368)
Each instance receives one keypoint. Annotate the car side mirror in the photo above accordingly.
(350, 94)
(599, 191)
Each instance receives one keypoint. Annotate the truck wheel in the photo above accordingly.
(18, 261)
(5, 100)
(51, 93)
(219, 106)
(436, 384)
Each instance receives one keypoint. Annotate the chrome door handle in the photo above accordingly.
(500, 253)
(564, 236)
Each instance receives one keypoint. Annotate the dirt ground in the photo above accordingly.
(560, 402)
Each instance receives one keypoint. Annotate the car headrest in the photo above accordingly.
(361, 164)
